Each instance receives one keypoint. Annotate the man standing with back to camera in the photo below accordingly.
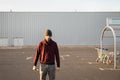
(47, 52)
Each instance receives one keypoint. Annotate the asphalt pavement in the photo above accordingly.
(77, 63)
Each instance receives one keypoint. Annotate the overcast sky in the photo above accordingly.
(60, 5)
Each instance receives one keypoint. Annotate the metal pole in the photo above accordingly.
(107, 21)
(101, 40)
(115, 51)
(114, 36)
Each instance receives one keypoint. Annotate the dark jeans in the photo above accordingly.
(47, 69)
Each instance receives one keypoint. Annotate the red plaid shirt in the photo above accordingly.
(48, 52)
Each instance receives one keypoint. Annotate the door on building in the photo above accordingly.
(3, 41)
(18, 41)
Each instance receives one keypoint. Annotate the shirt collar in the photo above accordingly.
(45, 42)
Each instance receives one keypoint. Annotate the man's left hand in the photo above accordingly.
(57, 69)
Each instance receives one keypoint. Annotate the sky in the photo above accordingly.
(60, 5)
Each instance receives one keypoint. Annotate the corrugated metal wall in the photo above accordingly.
(69, 28)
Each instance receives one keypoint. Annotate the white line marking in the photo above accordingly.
(111, 69)
(82, 59)
(67, 55)
(62, 57)
(28, 58)
(92, 62)
(77, 56)
(23, 52)
(101, 69)
(89, 62)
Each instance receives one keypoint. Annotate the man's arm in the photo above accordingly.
(36, 57)
(57, 56)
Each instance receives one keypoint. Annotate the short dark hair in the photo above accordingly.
(48, 32)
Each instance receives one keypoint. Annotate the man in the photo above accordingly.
(48, 51)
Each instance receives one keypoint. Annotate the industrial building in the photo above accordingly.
(69, 28)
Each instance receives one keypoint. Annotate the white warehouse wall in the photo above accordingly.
(69, 28)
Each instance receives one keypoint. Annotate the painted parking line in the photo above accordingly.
(89, 62)
(62, 57)
(109, 69)
(28, 58)
(23, 52)
(67, 55)
(82, 59)
(77, 56)
(101, 69)
(92, 62)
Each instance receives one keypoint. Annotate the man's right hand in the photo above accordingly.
(58, 69)
(34, 68)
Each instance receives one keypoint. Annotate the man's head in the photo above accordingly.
(47, 34)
